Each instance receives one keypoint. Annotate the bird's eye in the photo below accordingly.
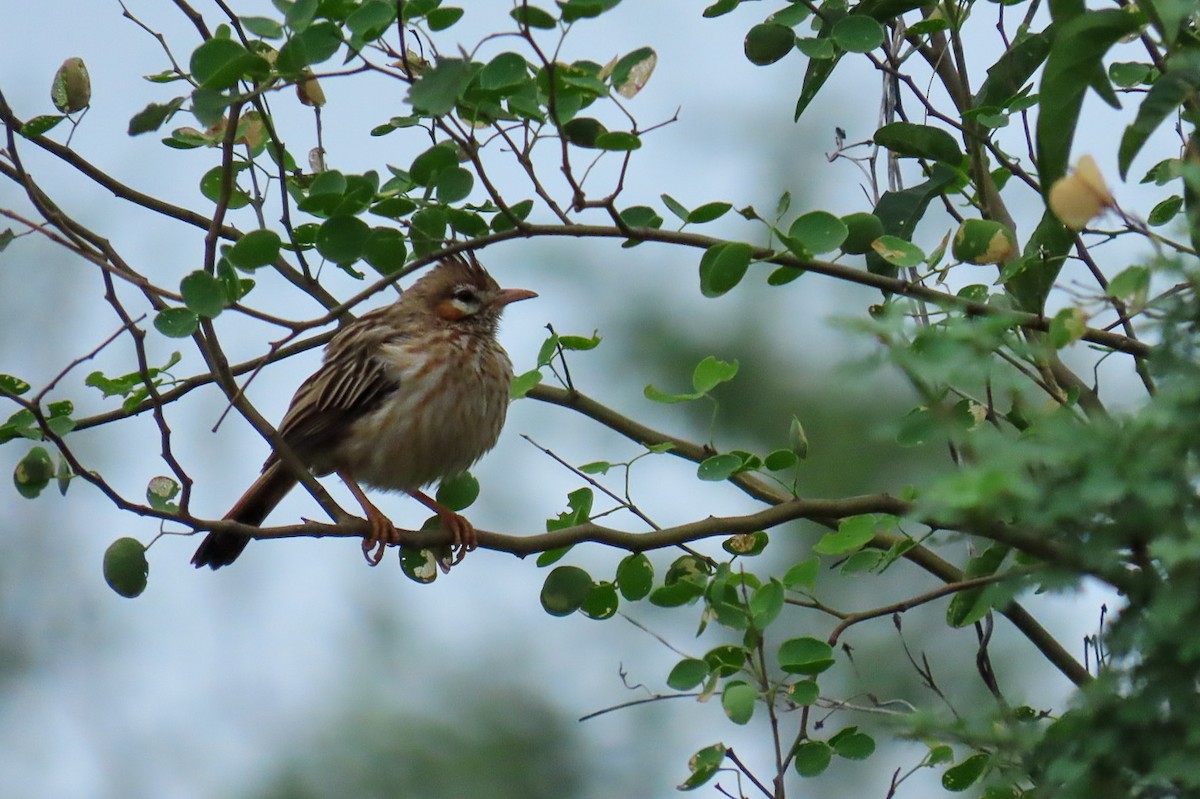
(465, 295)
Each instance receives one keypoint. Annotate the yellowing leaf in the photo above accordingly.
(1079, 197)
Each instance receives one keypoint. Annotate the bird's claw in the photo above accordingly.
(382, 533)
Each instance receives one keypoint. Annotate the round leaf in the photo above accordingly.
(601, 602)
(72, 88)
(983, 241)
(257, 248)
(419, 565)
(175, 322)
(768, 42)
(203, 294)
(965, 774)
(738, 700)
(504, 71)
(718, 467)
(459, 491)
(385, 250)
(812, 758)
(857, 33)
(819, 232)
(635, 576)
(805, 656)
(342, 239)
(687, 674)
(617, 140)
(861, 230)
(454, 185)
(723, 266)
(853, 745)
(703, 765)
(125, 567)
(565, 590)
(804, 692)
(33, 472)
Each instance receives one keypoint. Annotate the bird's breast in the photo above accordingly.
(447, 411)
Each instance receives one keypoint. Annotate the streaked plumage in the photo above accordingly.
(406, 395)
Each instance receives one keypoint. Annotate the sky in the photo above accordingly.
(199, 686)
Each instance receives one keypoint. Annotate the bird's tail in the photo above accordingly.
(221, 549)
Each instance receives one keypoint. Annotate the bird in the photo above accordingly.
(407, 394)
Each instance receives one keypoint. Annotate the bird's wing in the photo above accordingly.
(351, 382)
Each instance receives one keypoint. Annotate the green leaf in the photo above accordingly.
(897, 251)
(719, 467)
(711, 372)
(312, 45)
(720, 8)
(900, 211)
(708, 212)
(817, 48)
(159, 493)
(805, 656)
(176, 322)
(1075, 62)
(505, 71)
(601, 602)
(153, 116)
(1067, 326)
(675, 207)
(746, 544)
(804, 692)
(565, 590)
(459, 491)
(442, 18)
(125, 567)
(454, 185)
(71, 90)
(812, 758)
(264, 27)
(33, 472)
(617, 141)
(737, 700)
(819, 232)
(1165, 211)
(502, 221)
(1163, 100)
(256, 249)
(40, 124)
(803, 574)
(385, 250)
(203, 294)
(780, 459)
(342, 239)
(635, 576)
(723, 266)
(532, 17)
(218, 64)
(857, 33)
(12, 386)
(853, 533)
(968, 607)
(1013, 69)
(768, 42)
(965, 774)
(633, 70)
(687, 674)
(676, 594)
(1129, 283)
(436, 92)
(852, 744)
(703, 765)
(1128, 74)
(818, 72)
(906, 139)
(583, 131)
(766, 603)
(429, 165)
(523, 383)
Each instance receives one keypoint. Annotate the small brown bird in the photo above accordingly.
(407, 394)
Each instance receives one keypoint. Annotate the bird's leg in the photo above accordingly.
(383, 532)
(461, 530)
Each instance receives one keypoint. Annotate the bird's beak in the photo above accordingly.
(507, 296)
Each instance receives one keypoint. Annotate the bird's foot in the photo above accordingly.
(382, 533)
(462, 533)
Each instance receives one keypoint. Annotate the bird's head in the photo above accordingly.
(460, 292)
